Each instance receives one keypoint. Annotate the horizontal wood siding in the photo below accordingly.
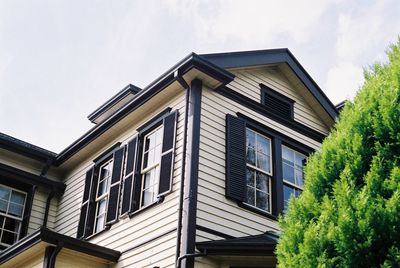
(38, 211)
(247, 82)
(215, 211)
(146, 224)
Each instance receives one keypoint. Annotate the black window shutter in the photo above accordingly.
(129, 175)
(85, 203)
(235, 158)
(116, 175)
(91, 205)
(167, 155)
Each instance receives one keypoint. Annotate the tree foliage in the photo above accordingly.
(349, 212)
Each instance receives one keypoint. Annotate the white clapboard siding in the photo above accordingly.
(214, 210)
(247, 82)
(38, 211)
(145, 225)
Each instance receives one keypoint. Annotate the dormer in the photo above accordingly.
(113, 104)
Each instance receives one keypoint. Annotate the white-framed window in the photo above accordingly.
(103, 185)
(12, 206)
(292, 173)
(258, 170)
(150, 170)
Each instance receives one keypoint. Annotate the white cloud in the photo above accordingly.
(342, 81)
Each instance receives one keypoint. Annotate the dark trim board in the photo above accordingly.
(45, 235)
(273, 56)
(213, 232)
(24, 148)
(259, 108)
(24, 177)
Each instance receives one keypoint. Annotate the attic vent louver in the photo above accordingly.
(277, 103)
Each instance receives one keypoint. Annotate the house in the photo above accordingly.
(191, 171)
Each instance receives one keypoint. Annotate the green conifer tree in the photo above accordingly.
(349, 212)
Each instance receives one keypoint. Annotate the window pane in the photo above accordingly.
(250, 156)
(8, 238)
(262, 182)
(299, 158)
(287, 193)
(102, 187)
(15, 209)
(4, 193)
(250, 177)
(100, 223)
(299, 177)
(147, 197)
(262, 201)
(18, 198)
(263, 145)
(102, 206)
(263, 162)
(145, 160)
(288, 173)
(287, 154)
(11, 225)
(3, 206)
(1, 222)
(250, 138)
(250, 196)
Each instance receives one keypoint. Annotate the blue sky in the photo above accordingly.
(60, 60)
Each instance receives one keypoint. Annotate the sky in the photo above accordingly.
(61, 59)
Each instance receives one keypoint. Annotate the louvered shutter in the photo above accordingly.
(167, 155)
(113, 200)
(235, 158)
(129, 175)
(87, 193)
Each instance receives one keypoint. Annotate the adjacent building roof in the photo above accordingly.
(255, 245)
(24, 148)
(56, 239)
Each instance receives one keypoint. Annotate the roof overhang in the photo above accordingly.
(231, 60)
(257, 245)
(26, 149)
(191, 67)
(44, 237)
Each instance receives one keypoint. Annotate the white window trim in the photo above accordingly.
(268, 174)
(11, 216)
(143, 170)
(103, 196)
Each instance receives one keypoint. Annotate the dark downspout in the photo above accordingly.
(51, 194)
(191, 175)
(50, 255)
(179, 228)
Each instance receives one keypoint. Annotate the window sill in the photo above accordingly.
(159, 200)
(258, 211)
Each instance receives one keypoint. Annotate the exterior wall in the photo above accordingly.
(215, 211)
(132, 235)
(38, 211)
(247, 82)
(69, 258)
(41, 194)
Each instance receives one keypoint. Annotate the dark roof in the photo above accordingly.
(27, 149)
(27, 178)
(255, 245)
(51, 237)
(129, 89)
(273, 56)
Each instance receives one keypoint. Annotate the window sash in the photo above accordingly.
(103, 196)
(154, 167)
(293, 165)
(256, 152)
